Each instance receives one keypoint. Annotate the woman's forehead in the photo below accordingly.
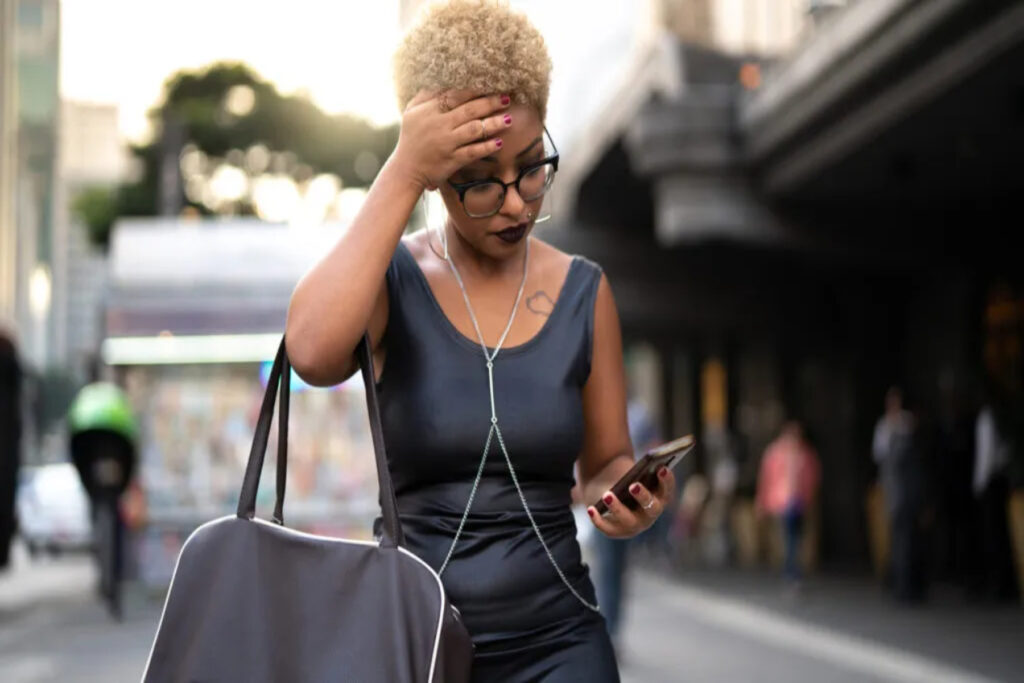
(525, 114)
(524, 136)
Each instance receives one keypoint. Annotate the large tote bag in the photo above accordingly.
(253, 601)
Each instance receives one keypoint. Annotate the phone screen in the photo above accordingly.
(681, 444)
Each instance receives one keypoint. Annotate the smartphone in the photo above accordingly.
(646, 469)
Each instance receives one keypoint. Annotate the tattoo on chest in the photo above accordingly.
(540, 303)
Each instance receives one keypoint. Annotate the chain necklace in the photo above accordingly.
(495, 430)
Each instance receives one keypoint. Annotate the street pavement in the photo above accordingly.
(737, 626)
(715, 626)
(53, 626)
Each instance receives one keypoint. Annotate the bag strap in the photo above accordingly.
(280, 374)
(392, 533)
(253, 468)
(282, 433)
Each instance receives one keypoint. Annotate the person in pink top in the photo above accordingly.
(787, 485)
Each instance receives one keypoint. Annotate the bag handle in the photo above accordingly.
(280, 374)
(253, 468)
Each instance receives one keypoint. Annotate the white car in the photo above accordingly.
(53, 509)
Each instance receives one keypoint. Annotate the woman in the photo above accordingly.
(485, 409)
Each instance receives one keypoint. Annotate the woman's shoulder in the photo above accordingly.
(417, 246)
(553, 259)
(414, 244)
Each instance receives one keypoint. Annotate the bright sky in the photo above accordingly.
(121, 51)
(339, 51)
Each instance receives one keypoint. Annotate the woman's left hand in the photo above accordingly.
(621, 522)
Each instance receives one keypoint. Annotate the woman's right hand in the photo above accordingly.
(434, 143)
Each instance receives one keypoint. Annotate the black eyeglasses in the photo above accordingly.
(484, 198)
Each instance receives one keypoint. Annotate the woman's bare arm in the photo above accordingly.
(344, 294)
(607, 451)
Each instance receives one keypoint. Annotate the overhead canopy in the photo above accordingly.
(892, 115)
(914, 101)
(204, 291)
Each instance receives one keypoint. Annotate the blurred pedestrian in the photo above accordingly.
(645, 435)
(10, 439)
(722, 456)
(685, 528)
(103, 435)
(991, 486)
(787, 487)
(897, 453)
(612, 553)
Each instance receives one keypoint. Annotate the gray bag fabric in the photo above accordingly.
(253, 601)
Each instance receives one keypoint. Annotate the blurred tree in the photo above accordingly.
(97, 208)
(231, 116)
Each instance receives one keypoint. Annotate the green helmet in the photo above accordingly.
(102, 406)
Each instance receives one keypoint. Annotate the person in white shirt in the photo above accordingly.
(991, 451)
(991, 486)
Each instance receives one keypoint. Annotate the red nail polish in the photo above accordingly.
(497, 142)
(634, 489)
(609, 499)
(505, 99)
(508, 120)
(663, 472)
(590, 511)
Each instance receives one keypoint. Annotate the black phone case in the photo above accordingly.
(645, 471)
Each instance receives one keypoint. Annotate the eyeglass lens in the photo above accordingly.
(486, 199)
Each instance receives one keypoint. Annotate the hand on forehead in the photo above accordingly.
(451, 98)
(460, 96)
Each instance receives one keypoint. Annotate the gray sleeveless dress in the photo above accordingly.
(435, 409)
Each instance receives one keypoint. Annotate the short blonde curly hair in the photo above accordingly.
(480, 45)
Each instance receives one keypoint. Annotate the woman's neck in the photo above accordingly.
(477, 265)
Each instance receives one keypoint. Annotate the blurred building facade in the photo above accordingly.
(764, 27)
(795, 232)
(8, 163)
(30, 115)
(51, 280)
(91, 149)
(92, 154)
(29, 243)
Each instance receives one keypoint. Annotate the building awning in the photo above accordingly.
(185, 291)
(895, 99)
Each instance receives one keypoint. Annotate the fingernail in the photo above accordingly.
(497, 142)
(508, 120)
(505, 99)
(663, 472)
(634, 489)
(608, 499)
(590, 511)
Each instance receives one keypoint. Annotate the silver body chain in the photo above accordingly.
(496, 430)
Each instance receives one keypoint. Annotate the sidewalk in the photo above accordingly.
(27, 583)
(703, 626)
(846, 624)
(54, 627)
